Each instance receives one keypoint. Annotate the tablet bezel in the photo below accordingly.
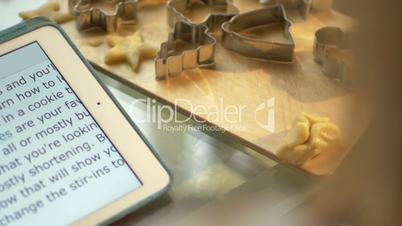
(155, 179)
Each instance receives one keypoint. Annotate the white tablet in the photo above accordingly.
(68, 155)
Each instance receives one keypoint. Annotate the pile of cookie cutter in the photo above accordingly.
(169, 61)
(88, 17)
(302, 6)
(332, 50)
(255, 47)
(177, 8)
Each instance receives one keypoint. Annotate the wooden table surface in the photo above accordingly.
(243, 82)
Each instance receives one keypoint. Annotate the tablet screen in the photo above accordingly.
(56, 164)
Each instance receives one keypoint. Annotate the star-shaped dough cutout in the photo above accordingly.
(128, 49)
(50, 10)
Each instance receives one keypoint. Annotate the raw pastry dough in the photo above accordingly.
(310, 136)
(95, 41)
(129, 49)
(50, 10)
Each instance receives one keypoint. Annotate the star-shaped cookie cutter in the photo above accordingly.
(177, 8)
(256, 47)
(170, 61)
(333, 51)
(88, 16)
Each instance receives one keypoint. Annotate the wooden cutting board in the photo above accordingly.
(240, 81)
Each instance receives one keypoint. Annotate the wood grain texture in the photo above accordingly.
(241, 81)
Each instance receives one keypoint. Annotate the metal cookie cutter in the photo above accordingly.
(302, 6)
(332, 50)
(257, 47)
(177, 8)
(170, 60)
(88, 16)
